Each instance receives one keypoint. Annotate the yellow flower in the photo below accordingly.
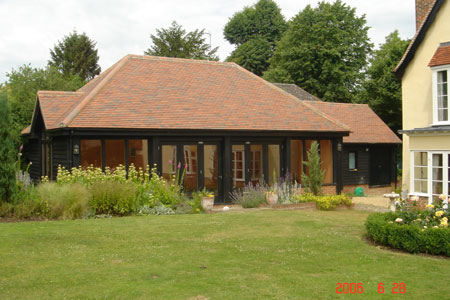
(439, 213)
(429, 206)
(444, 222)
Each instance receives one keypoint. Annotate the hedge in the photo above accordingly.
(382, 229)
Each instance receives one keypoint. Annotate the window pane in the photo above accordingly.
(437, 188)
(437, 173)
(326, 158)
(190, 163)
(296, 159)
(352, 160)
(421, 173)
(437, 160)
(442, 76)
(238, 165)
(420, 186)
(443, 114)
(211, 171)
(256, 163)
(274, 162)
(169, 161)
(138, 153)
(91, 153)
(114, 153)
(420, 159)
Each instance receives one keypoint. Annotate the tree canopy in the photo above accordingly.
(254, 31)
(23, 84)
(324, 51)
(76, 55)
(381, 89)
(176, 42)
(7, 162)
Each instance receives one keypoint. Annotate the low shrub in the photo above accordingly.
(327, 202)
(250, 196)
(116, 198)
(6, 209)
(157, 210)
(67, 201)
(388, 229)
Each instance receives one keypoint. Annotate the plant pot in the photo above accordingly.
(207, 203)
(271, 198)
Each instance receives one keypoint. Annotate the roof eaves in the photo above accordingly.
(417, 39)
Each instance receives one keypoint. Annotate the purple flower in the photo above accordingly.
(179, 165)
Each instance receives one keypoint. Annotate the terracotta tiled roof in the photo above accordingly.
(418, 38)
(441, 56)
(296, 91)
(365, 125)
(55, 105)
(146, 92)
(26, 130)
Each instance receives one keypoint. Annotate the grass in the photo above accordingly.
(251, 255)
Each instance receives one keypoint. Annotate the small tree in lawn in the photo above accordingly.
(314, 180)
(7, 157)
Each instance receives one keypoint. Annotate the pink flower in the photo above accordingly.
(170, 162)
(179, 165)
(21, 147)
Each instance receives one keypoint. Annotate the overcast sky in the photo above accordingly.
(30, 28)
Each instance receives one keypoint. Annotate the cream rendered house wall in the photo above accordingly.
(417, 92)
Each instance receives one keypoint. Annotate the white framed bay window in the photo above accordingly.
(430, 172)
(441, 92)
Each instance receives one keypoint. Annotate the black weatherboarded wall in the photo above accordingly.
(361, 176)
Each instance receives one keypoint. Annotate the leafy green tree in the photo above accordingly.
(76, 55)
(253, 55)
(254, 31)
(22, 86)
(324, 51)
(314, 180)
(176, 42)
(381, 89)
(7, 155)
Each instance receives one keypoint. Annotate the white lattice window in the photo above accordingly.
(441, 95)
(238, 165)
(430, 173)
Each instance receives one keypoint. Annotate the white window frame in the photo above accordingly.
(189, 159)
(445, 177)
(234, 165)
(435, 71)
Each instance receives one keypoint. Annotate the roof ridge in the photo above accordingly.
(59, 92)
(177, 59)
(81, 105)
(273, 86)
(337, 103)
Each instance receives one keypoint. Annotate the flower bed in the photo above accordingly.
(413, 230)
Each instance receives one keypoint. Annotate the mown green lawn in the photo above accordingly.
(251, 255)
